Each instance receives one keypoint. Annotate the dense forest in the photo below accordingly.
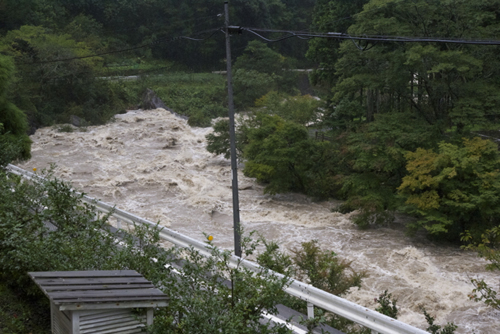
(398, 122)
(404, 125)
(63, 49)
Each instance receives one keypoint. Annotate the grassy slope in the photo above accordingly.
(19, 315)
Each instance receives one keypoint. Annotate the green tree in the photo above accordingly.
(330, 16)
(282, 154)
(249, 85)
(14, 142)
(51, 90)
(259, 70)
(279, 153)
(455, 189)
(391, 98)
(16, 13)
(123, 24)
(218, 142)
(371, 164)
(299, 109)
(447, 85)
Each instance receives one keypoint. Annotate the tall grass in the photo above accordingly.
(199, 96)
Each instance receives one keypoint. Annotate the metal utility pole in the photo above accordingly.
(232, 137)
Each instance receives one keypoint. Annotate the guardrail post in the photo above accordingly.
(310, 310)
(118, 224)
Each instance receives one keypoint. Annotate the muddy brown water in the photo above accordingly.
(154, 165)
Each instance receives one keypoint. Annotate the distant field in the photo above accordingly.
(200, 96)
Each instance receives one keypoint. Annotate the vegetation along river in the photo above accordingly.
(153, 164)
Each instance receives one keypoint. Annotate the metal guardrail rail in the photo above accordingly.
(377, 322)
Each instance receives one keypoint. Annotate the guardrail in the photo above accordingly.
(377, 322)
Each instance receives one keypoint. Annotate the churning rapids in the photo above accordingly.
(153, 164)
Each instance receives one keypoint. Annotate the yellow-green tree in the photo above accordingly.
(455, 189)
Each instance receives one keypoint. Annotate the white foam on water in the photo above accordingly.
(155, 165)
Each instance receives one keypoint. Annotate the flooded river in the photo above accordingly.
(153, 164)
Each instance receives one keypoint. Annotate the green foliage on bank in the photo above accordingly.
(278, 153)
(132, 23)
(51, 91)
(200, 301)
(320, 268)
(260, 70)
(396, 98)
(14, 142)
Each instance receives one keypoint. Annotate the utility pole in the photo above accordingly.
(232, 137)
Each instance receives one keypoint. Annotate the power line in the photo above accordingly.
(199, 21)
(289, 34)
(158, 41)
(369, 38)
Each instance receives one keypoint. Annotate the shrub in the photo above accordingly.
(64, 128)
(275, 260)
(301, 109)
(489, 248)
(433, 328)
(324, 270)
(387, 305)
(210, 304)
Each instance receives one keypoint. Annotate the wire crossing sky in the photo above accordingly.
(290, 34)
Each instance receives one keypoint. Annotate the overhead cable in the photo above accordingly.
(157, 41)
(269, 40)
(370, 38)
(289, 34)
